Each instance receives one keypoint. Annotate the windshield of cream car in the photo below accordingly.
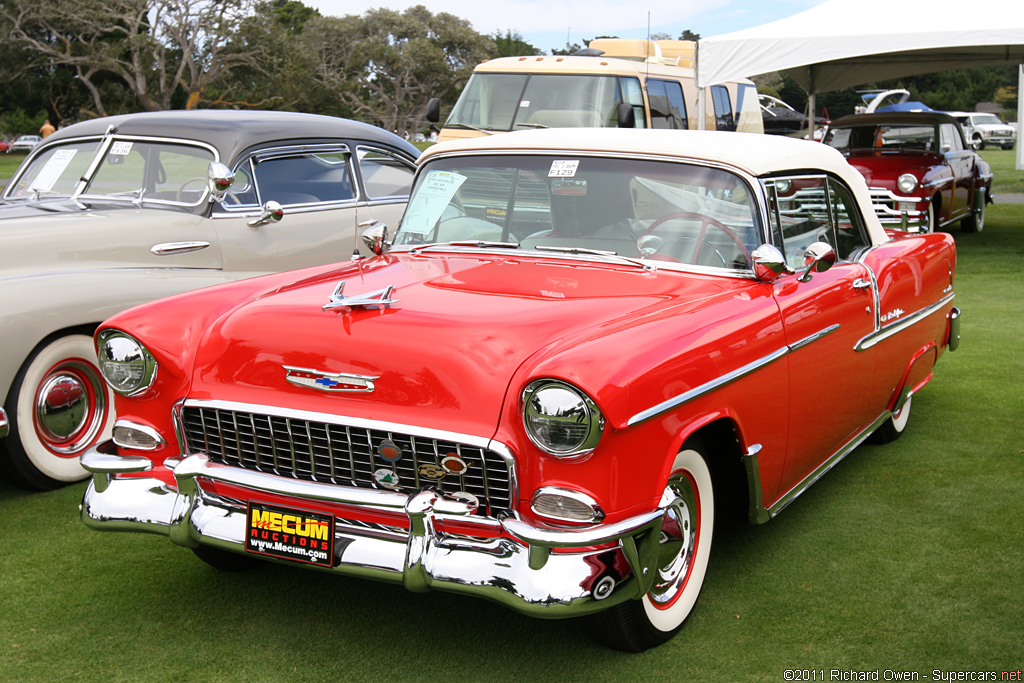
(669, 212)
(130, 170)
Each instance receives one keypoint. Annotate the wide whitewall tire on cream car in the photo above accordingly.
(58, 406)
(684, 548)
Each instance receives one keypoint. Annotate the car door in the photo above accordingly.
(961, 162)
(325, 208)
(823, 318)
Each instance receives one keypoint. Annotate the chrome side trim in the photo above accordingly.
(169, 248)
(758, 513)
(889, 330)
(728, 378)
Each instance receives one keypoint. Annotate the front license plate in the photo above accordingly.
(290, 534)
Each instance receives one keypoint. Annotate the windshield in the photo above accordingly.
(131, 170)
(987, 120)
(675, 213)
(55, 172)
(516, 101)
(883, 136)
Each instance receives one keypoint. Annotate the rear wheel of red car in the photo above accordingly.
(975, 222)
(58, 407)
(684, 548)
(894, 426)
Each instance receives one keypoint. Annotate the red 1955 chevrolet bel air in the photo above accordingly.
(574, 348)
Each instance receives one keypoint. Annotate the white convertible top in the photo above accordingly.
(756, 154)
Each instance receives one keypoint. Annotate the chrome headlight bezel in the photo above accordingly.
(553, 408)
(126, 364)
(906, 183)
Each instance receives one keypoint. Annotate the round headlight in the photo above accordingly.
(907, 183)
(783, 186)
(125, 364)
(560, 419)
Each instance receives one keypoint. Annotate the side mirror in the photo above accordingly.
(769, 263)
(626, 116)
(376, 239)
(272, 211)
(434, 110)
(218, 178)
(818, 258)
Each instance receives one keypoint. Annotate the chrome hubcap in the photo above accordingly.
(678, 542)
(70, 406)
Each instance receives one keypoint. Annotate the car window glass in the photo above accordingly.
(55, 171)
(724, 119)
(802, 216)
(384, 174)
(950, 137)
(682, 213)
(489, 100)
(305, 178)
(668, 109)
(243, 190)
(160, 172)
(569, 101)
(849, 230)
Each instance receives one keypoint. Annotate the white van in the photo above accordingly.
(613, 83)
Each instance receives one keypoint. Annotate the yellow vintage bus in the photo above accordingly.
(613, 83)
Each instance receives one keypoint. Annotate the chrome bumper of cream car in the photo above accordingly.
(516, 564)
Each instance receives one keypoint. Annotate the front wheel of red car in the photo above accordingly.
(684, 549)
(58, 406)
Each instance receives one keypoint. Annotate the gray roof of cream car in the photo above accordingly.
(230, 131)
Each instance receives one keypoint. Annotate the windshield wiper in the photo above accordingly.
(481, 243)
(646, 265)
(470, 126)
(533, 125)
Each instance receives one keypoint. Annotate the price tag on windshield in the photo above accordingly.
(431, 199)
(563, 168)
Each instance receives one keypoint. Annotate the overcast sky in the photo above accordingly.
(547, 24)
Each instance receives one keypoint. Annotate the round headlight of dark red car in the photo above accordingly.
(560, 419)
(127, 366)
(907, 183)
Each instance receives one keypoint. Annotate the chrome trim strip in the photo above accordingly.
(169, 248)
(728, 378)
(805, 483)
(889, 330)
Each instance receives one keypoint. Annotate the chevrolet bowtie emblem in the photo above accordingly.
(329, 381)
(380, 299)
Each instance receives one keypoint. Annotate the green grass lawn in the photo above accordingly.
(906, 557)
(1006, 179)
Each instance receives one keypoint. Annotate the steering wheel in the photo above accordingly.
(705, 221)
(181, 188)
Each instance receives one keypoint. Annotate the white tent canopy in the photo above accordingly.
(840, 44)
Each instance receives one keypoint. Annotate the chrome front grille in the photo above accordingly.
(336, 453)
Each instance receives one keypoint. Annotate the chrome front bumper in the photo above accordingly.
(515, 565)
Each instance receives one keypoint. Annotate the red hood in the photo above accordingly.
(444, 353)
(881, 169)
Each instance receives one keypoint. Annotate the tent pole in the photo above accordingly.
(1020, 117)
(810, 102)
(702, 123)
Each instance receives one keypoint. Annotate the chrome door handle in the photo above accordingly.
(861, 283)
(170, 248)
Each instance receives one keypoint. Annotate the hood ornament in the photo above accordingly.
(329, 381)
(379, 299)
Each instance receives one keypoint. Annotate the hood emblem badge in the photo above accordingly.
(389, 451)
(329, 381)
(379, 299)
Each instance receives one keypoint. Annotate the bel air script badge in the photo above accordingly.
(329, 381)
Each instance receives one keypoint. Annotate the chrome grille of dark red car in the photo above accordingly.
(340, 454)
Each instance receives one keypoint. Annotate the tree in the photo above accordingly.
(157, 48)
(386, 65)
(511, 44)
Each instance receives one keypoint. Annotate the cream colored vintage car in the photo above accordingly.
(114, 212)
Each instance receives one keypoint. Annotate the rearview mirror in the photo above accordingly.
(218, 178)
(626, 116)
(434, 110)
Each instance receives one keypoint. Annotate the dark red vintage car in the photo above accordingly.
(578, 350)
(921, 172)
